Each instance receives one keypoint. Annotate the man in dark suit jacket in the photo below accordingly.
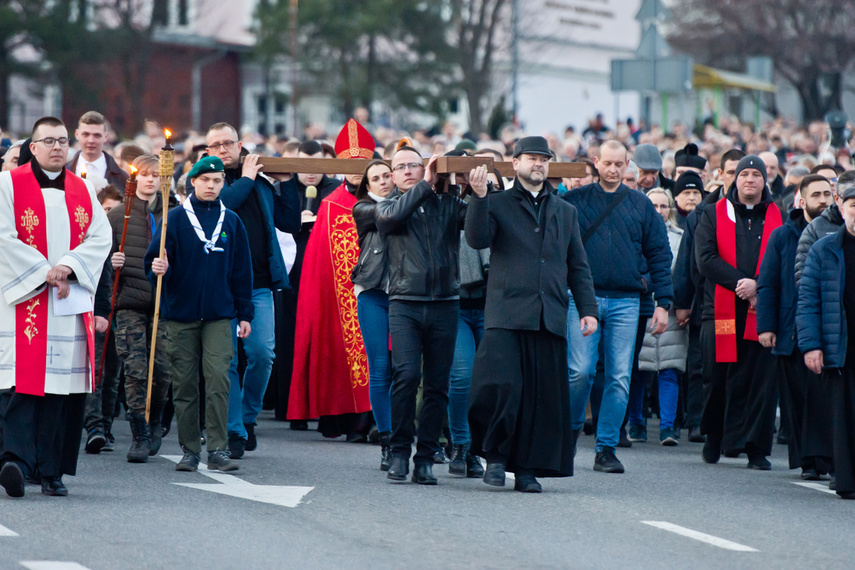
(519, 411)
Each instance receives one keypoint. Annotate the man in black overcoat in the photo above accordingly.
(519, 410)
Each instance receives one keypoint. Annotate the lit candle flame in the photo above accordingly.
(133, 173)
(167, 133)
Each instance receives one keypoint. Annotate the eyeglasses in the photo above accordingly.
(410, 165)
(51, 141)
(226, 145)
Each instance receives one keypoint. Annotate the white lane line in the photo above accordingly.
(815, 486)
(701, 536)
(51, 565)
(7, 532)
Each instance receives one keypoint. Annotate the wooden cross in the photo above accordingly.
(444, 165)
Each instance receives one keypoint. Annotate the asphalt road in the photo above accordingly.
(300, 501)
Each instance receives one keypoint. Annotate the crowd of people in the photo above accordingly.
(475, 315)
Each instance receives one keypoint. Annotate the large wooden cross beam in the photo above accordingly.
(444, 165)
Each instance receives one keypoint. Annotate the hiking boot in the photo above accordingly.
(607, 462)
(95, 441)
(219, 461)
(668, 437)
(141, 444)
(190, 462)
(637, 433)
(458, 460)
(385, 451)
(251, 442)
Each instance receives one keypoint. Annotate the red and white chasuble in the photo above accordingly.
(40, 228)
(725, 299)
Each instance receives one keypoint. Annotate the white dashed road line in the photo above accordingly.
(700, 536)
(51, 565)
(7, 532)
(815, 486)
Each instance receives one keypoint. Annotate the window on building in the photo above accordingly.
(160, 13)
(183, 12)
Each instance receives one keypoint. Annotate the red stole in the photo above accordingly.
(31, 316)
(725, 299)
(330, 373)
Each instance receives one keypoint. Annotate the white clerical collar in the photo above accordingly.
(52, 175)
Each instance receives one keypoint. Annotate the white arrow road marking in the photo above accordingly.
(282, 495)
(703, 537)
(51, 565)
(815, 486)
(7, 532)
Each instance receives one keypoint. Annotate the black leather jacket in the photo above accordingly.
(372, 270)
(422, 232)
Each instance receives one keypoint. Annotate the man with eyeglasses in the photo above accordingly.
(92, 134)
(421, 223)
(263, 207)
(55, 238)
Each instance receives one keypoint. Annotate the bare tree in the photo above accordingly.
(810, 42)
(476, 25)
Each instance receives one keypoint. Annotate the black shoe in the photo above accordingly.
(732, 453)
(458, 460)
(759, 462)
(95, 441)
(237, 445)
(474, 469)
(623, 440)
(374, 435)
(141, 444)
(848, 495)
(219, 461)
(111, 442)
(711, 451)
(251, 442)
(385, 452)
(607, 462)
(299, 425)
(695, 435)
(12, 479)
(588, 428)
(495, 474)
(164, 430)
(440, 458)
(190, 462)
(53, 487)
(156, 439)
(423, 474)
(526, 483)
(810, 475)
(399, 469)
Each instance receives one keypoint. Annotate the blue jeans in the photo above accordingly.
(616, 330)
(470, 329)
(245, 398)
(669, 391)
(373, 309)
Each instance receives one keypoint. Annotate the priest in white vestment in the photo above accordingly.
(54, 239)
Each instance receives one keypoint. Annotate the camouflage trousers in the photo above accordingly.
(133, 340)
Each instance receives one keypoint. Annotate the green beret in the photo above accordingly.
(205, 165)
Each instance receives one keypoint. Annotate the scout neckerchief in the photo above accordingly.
(210, 244)
(725, 299)
(31, 316)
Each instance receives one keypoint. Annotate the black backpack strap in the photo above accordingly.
(603, 216)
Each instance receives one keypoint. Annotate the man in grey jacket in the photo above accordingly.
(826, 224)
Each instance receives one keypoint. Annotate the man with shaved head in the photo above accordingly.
(628, 250)
(773, 173)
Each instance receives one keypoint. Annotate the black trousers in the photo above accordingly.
(279, 387)
(41, 433)
(740, 408)
(420, 331)
(842, 384)
(519, 402)
(693, 379)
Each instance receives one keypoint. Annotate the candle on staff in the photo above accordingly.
(133, 174)
(168, 135)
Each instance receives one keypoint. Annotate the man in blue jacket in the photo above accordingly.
(207, 283)
(262, 208)
(620, 230)
(825, 321)
(802, 407)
